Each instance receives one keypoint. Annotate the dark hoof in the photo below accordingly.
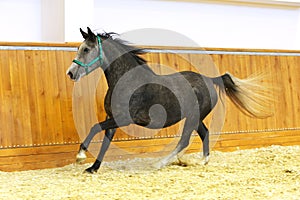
(94, 168)
(90, 170)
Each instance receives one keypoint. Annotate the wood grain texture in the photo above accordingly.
(37, 127)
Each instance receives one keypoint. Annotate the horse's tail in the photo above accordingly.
(247, 94)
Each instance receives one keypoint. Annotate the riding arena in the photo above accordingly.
(53, 123)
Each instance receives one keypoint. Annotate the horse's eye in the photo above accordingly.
(86, 50)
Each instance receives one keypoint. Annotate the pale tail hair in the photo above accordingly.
(249, 95)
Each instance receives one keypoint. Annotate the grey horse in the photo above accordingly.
(137, 95)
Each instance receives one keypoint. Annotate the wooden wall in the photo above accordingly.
(37, 128)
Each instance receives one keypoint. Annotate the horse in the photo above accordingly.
(137, 95)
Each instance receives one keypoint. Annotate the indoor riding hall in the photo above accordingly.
(45, 116)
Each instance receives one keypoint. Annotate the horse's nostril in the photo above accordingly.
(70, 74)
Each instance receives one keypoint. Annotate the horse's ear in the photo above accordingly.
(84, 34)
(92, 36)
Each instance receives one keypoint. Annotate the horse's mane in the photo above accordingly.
(125, 45)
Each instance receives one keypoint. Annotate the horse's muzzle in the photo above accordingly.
(70, 74)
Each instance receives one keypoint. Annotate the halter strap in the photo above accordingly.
(100, 57)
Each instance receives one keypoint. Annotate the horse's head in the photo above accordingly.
(102, 50)
(89, 56)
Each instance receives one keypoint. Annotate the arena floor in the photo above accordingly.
(264, 173)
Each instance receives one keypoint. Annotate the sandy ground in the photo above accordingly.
(264, 173)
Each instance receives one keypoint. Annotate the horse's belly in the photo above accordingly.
(154, 106)
(156, 115)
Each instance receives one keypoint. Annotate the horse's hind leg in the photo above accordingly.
(182, 144)
(204, 135)
(109, 134)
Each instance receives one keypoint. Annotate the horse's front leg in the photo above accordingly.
(105, 125)
(81, 156)
(109, 134)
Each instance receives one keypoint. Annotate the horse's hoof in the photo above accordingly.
(81, 156)
(206, 160)
(90, 170)
(160, 164)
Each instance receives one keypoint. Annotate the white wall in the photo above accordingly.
(52, 20)
(20, 20)
(209, 25)
(78, 13)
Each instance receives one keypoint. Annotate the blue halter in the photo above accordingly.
(100, 57)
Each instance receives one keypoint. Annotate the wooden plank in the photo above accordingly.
(49, 90)
(61, 93)
(266, 63)
(294, 87)
(25, 113)
(53, 157)
(32, 61)
(247, 69)
(26, 151)
(34, 166)
(10, 99)
(276, 86)
(250, 141)
(2, 136)
(39, 66)
(54, 114)
(5, 113)
(30, 163)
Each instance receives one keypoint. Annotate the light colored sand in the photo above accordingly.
(264, 173)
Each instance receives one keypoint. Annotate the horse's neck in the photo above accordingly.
(119, 67)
